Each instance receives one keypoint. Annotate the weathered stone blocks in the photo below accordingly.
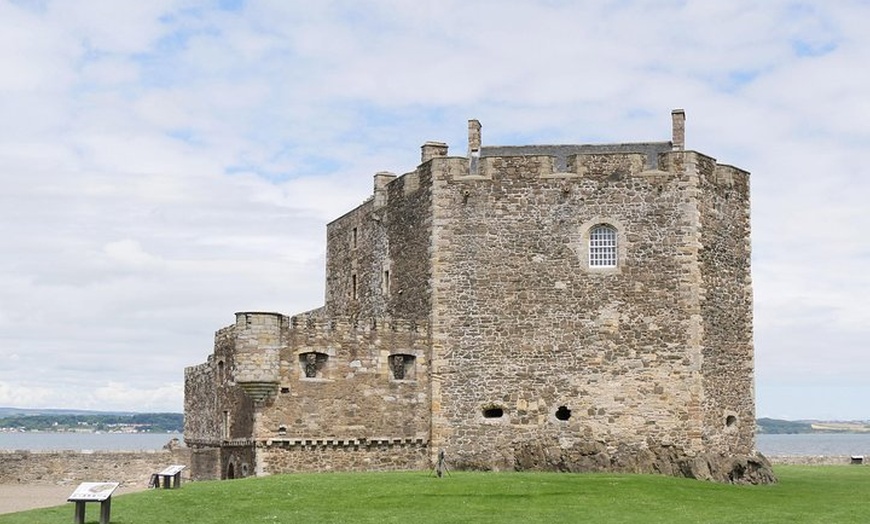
(524, 352)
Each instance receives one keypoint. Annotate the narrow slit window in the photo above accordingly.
(602, 246)
(386, 284)
(353, 292)
(353, 238)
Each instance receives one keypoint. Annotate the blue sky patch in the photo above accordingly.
(231, 5)
(804, 48)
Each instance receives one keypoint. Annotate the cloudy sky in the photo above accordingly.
(167, 163)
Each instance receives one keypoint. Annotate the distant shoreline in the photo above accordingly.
(773, 426)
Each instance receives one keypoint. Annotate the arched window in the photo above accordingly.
(602, 246)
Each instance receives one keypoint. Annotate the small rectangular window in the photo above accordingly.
(402, 367)
(386, 282)
(353, 237)
(313, 364)
(353, 286)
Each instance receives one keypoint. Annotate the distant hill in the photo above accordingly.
(65, 420)
(6, 412)
(771, 425)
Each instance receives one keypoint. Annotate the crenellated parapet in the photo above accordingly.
(254, 342)
(567, 165)
(314, 325)
(654, 161)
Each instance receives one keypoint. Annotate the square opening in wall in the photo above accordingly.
(313, 364)
(402, 366)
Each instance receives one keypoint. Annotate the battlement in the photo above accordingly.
(262, 333)
(658, 161)
(260, 320)
(313, 443)
(315, 324)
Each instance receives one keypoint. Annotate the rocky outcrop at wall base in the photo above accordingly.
(594, 457)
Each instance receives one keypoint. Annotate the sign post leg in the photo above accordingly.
(105, 510)
(80, 512)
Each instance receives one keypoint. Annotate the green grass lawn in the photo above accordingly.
(824, 494)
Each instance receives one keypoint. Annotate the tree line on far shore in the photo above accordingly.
(138, 422)
(771, 425)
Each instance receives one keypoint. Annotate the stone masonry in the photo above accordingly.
(69, 468)
(554, 307)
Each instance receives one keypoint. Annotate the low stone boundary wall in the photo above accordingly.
(812, 460)
(134, 468)
(130, 468)
(316, 455)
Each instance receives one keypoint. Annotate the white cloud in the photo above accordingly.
(166, 164)
(120, 396)
(15, 395)
(130, 254)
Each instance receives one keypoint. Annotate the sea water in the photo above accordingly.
(814, 444)
(45, 441)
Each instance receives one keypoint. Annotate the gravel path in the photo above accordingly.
(21, 497)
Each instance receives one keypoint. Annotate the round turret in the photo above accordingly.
(257, 348)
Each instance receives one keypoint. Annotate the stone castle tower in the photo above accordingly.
(559, 307)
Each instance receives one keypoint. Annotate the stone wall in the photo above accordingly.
(408, 228)
(572, 357)
(205, 463)
(356, 392)
(350, 246)
(813, 460)
(378, 255)
(343, 455)
(214, 407)
(726, 307)
(369, 380)
(130, 468)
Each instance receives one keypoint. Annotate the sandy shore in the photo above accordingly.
(21, 497)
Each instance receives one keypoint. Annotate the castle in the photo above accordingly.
(554, 307)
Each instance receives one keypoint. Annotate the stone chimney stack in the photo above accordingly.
(678, 118)
(432, 150)
(382, 178)
(474, 138)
